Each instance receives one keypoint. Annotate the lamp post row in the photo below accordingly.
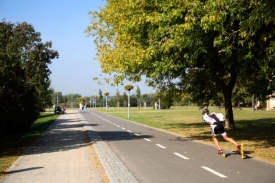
(128, 88)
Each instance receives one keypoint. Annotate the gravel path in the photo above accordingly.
(64, 153)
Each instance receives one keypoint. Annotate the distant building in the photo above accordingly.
(270, 102)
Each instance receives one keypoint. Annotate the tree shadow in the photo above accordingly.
(21, 170)
(185, 125)
(65, 135)
(259, 133)
(181, 139)
(120, 135)
(235, 153)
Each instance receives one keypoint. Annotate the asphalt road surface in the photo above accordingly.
(155, 156)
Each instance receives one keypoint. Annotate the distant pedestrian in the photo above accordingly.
(85, 108)
(64, 108)
(80, 106)
(217, 128)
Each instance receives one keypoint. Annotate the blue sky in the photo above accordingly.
(63, 22)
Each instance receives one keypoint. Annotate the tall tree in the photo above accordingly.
(201, 47)
(117, 98)
(24, 75)
(100, 97)
(46, 95)
(145, 97)
(138, 95)
(125, 99)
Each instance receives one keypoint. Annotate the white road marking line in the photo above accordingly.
(184, 157)
(214, 172)
(129, 131)
(122, 128)
(161, 146)
(137, 134)
(147, 139)
(117, 125)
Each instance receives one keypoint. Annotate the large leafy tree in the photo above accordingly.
(201, 47)
(117, 98)
(100, 97)
(24, 75)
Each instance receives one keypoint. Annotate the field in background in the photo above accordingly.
(256, 130)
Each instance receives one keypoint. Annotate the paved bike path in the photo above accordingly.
(156, 156)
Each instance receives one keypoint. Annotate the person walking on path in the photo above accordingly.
(217, 128)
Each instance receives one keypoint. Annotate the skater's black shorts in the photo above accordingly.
(219, 129)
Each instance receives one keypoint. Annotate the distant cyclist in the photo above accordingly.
(215, 121)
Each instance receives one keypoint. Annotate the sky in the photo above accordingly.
(63, 22)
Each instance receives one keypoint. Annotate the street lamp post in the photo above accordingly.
(106, 94)
(106, 104)
(129, 88)
(128, 104)
(95, 98)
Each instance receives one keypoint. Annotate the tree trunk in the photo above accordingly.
(229, 118)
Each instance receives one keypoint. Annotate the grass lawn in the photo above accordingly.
(256, 130)
(12, 146)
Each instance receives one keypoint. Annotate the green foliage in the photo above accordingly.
(128, 87)
(125, 99)
(24, 72)
(117, 97)
(200, 47)
(145, 97)
(79, 100)
(138, 95)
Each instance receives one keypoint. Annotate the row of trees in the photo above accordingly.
(73, 100)
(203, 49)
(24, 75)
(166, 98)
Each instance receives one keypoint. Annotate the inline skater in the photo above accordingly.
(217, 128)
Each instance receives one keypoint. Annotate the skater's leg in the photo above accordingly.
(228, 139)
(216, 142)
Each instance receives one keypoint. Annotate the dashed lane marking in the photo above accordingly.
(161, 146)
(137, 134)
(129, 131)
(214, 172)
(147, 139)
(178, 154)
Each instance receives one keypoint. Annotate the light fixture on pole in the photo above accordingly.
(106, 94)
(95, 98)
(129, 88)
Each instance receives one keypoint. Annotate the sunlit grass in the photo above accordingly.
(256, 130)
